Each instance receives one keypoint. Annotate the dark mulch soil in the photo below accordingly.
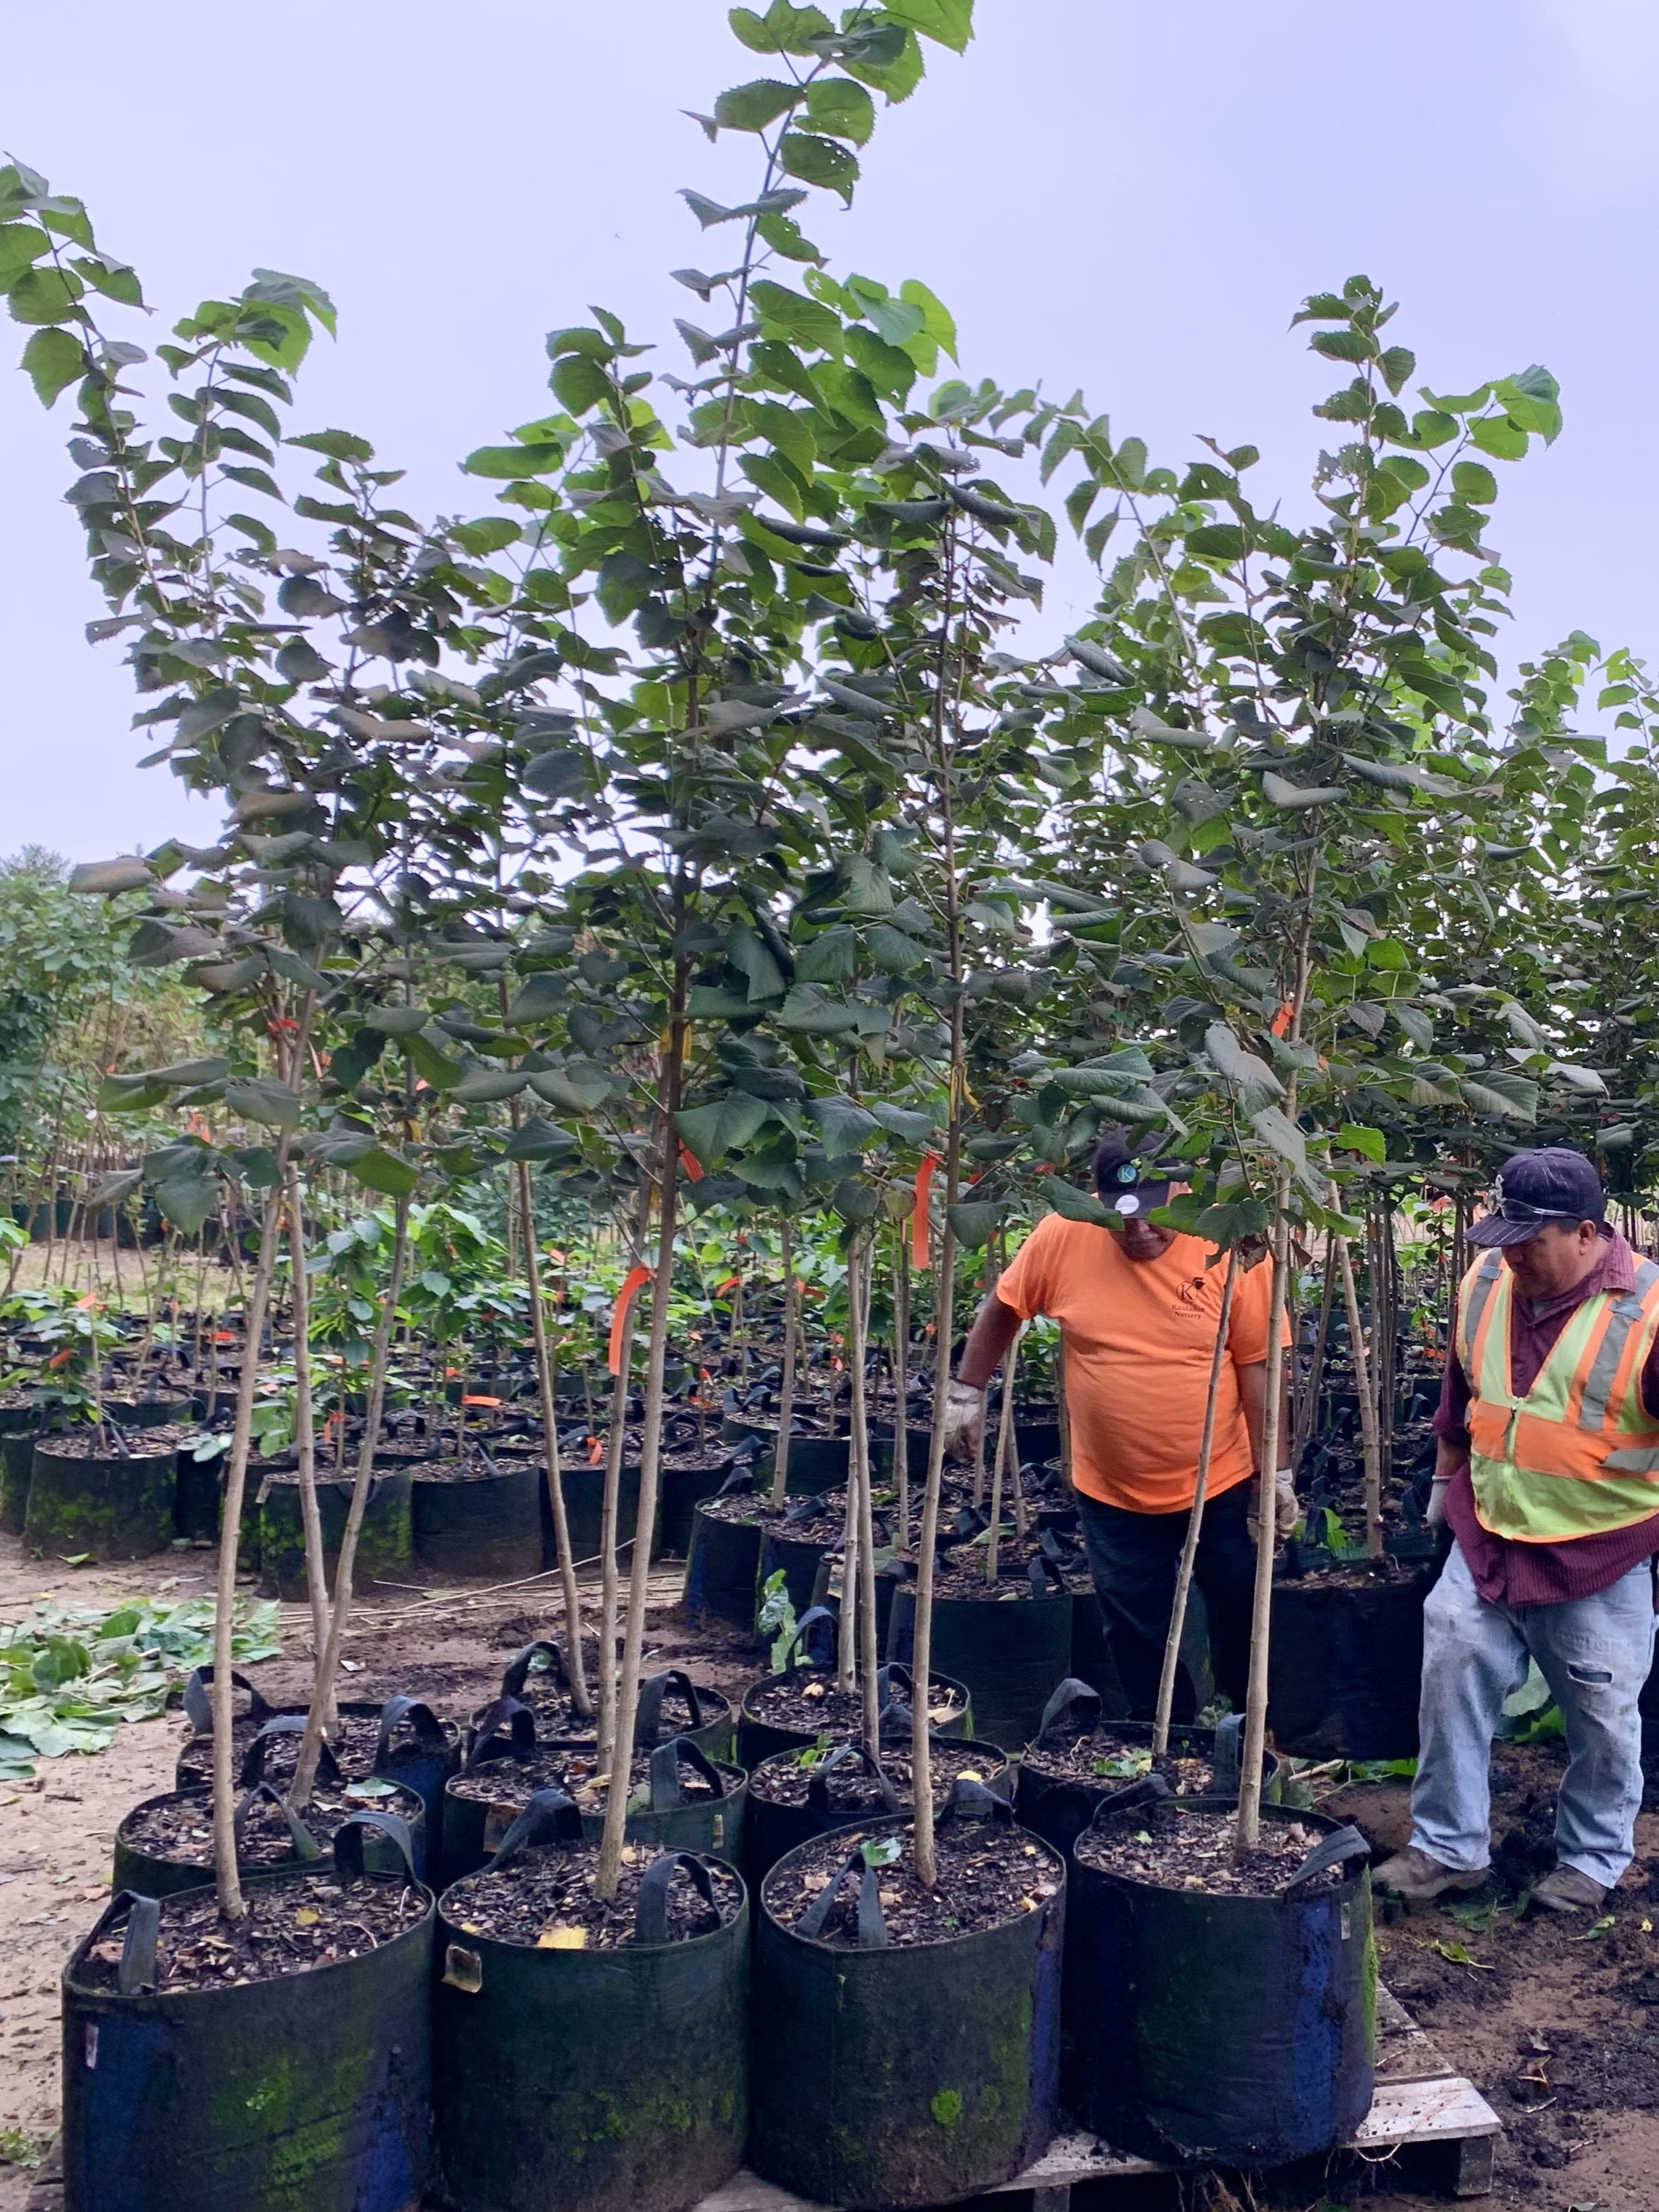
(786, 1777)
(464, 1470)
(515, 1782)
(699, 1459)
(1172, 1847)
(1101, 1755)
(543, 1900)
(356, 1738)
(961, 1574)
(988, 1874)
(807, 1697)
(556, 1718)
(291, 1927)
(741, 1510)
(179, 1827)
(140, 1444)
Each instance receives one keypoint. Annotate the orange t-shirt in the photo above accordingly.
(1140, 1338)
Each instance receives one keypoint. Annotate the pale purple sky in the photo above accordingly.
(1128, 199)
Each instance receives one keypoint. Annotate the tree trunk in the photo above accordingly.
(1249, 1828)
(581, 1702)
(305, 1432)
(1370, 1441)
(1166, 1680)
(787, 1380)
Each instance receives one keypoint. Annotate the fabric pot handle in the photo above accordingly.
(1229, 1736)
(1051, 1548)
(520, 1725)
(798, 1642)
(666, 1761)
(549, 1810)
(805, 1509)
(651, 1906)
(738, 1484)
(972, 1800)
(1043, 1570)
(817, 1789)
(429, 1728)
(349, 1843)
(1144, 1790)
(144, 1917)
(872, 1920)
(517, 1671)
(306, 1845)
(253, 1761)
(198, 1706)
(647, 1725)
(1073, 1696)
(1347, 1843)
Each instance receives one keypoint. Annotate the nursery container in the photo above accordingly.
(386, 1546)
(111, 1504)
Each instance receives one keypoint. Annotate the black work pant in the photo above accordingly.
(1133, 1557)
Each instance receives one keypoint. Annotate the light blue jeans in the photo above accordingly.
(1594, 1653)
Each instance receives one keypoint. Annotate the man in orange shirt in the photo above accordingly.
(1138, 1308)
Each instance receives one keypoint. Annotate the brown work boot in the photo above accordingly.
(1568, 1889)
(1414, 1875)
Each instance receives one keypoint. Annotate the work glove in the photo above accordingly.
(1287, 1511)
(964, 1413)
(1436, 1512)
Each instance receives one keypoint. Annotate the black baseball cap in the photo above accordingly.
(1130, 1178)
(1536, 1188)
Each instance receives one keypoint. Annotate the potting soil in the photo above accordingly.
(988, 1873)
(544, 1900)
(1176, 1847)
(289, 1927)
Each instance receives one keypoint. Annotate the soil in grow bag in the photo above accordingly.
(485, 1799)
(906, 2041)
(476, 1516)
(88, 1496)
(590, 2057)
(796, 1539)
(800, 1706)
(166, 1843)
(16, 1464)
(796, 1794)
(1219, 2009)
(385, 1547)
(670, 1703)
(1346, 1661)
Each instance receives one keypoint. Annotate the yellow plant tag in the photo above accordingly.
(562, 1938)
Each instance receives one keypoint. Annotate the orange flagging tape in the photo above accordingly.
(631, 1283)
(919, 1245)
(692, 1168)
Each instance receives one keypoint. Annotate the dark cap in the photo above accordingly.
(1536, 1188)
(1132, 1179)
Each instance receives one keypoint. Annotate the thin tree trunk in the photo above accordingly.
(1248, 1831)
(227, 1880)
(857, 1602)
(1004, 1452)
(922, 1655)
(1166, 1680)
(628, 1694)
(901, 1389)
(616, 1445)
(1370, 1442)
(579, 1700)
(305, 1433)
(786, 1381)
(1307, 1407)
(305, 1773)
(1063, 1415)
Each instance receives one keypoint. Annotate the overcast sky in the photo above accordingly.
(1126, 198)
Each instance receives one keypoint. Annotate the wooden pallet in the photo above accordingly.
(1420, 2104)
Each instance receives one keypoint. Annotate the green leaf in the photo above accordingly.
(1496, 436)
(815, 160)
(1355, 1137)
(386, 1171)
(52, 360)
(948, 22)
(261, 1098)
(1076, 1205)
(1217, 541)
(502, 461)
(752, 106)
(781, 30)
(46, 296)
(21, 244)
(847, 1126)
(973, 1223)
(187, 1201)
(900, 1121)
(579, 382)
(791, 315)
(839, 108)
(1474, 484)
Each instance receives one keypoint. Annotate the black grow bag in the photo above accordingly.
(797, 1558)
(307, 2094)
(385, 1547)
(112, 1505)
(816, 1634)
(576, 2081)
(1224, 2030)
(897, 2075)
(722, 1568)
(1009, 1652)
(487, 1521)
(1346, 1666)
(149, 1873)
(17, 1463)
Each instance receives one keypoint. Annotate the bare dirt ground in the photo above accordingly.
(1557, 2024)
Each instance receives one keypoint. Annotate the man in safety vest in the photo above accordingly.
(1547, 1470)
